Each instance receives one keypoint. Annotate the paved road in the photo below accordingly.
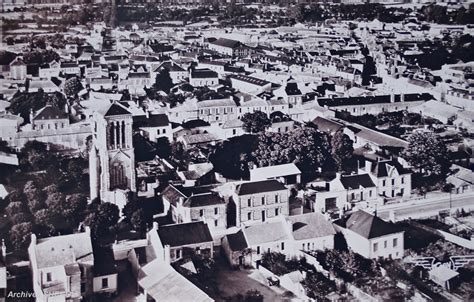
(426, 208)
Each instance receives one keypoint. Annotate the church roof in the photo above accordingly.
(114, 109)
(49, 112)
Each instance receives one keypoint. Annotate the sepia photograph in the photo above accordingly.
(236, 150)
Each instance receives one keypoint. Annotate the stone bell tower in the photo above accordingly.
(111, 159)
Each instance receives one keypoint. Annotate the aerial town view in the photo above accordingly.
(236, 150)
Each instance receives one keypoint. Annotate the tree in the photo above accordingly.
(13, 208)
(231, 157)
(163, 81)
(102, 219)
(306, 147)
(20, 235)
(341, 149)
(368, 70)
(74, 208)
(427, 153)
(72, 86)
(255, 122)
(40, 57)
(138, 220)
(34, 196)
(163, 147)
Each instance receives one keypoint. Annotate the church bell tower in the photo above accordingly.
(112, 159)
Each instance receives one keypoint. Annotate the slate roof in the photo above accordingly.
(356, 181)
(49, 112)
(237, 241)
(156, 120)
(203, 200)
(114, 109)
(203, 73)
(250, 80)
(382, 168)
(292, 89)
(369, 226)
(327, 125)
(226, 43)
(311, 225)
(254, 187)
(367, 100)
(182, 234)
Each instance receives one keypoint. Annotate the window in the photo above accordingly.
(157, 131)
(403, 180)
(370, 193)
(384, 183)
(276, 198)
(258, 250)
(385, 244)
(216, 223)
(282, 246)
(249, 216)
(263, 200)
(376, 247)
(164, 131)
(178, 253)
(83, 287)
(393, 182)
(276, 212)
(249, 202)
(402, 191)
(201, 212)
(303, 246)
(105, 283)
(395, 242)
(48, 277)
(216, 211)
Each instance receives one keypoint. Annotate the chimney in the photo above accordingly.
(166, 255)
(32, 115)
(33, 239)
(147, 114)
(368, 166)
(4, 250)
(155, 226)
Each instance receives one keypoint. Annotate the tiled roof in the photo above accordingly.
(311, 225)
(273, 231)
(62, 250)
(182, 234)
